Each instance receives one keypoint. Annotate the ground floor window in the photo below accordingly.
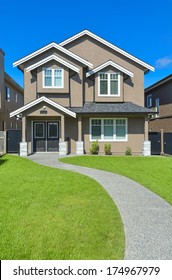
(108, 129)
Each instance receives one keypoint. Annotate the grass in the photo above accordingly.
(48, 214)
(155, 173)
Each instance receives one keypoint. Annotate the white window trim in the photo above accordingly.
(114, 129)
(149, 96)
(109, 95)
(43, 77)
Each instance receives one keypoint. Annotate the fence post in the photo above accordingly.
(2, 142)
(162, 141)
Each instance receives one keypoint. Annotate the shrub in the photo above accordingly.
(107, 149)
(128, 151)
(94, 150)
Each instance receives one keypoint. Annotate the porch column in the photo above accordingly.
(23, 145)
(146, 129)
(63, 145)
(79, 129)
(147, 143)
(23, 129)
(62, 128)
(79, 143)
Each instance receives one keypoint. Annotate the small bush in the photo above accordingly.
(94, 150)
(107, 149)
(128, 151)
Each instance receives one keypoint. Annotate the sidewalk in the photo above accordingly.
(147, 218)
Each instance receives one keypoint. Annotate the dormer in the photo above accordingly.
(109, 81)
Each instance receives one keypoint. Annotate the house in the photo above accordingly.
(81, 90)
(159, 97)
(11, 98)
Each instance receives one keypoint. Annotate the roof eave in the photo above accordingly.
(47, 47)
(87, 32)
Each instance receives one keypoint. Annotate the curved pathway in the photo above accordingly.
(147, 218)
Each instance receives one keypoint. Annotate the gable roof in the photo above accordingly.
(52, 57)
(49, 46)
(159, 83)
(108, 44)
(39, 100)
(111, 63)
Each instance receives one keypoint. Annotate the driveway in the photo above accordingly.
(147, 218)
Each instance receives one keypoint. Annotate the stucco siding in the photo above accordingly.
(135, 137)
(99, 54)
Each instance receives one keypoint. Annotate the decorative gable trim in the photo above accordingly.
(49, 58)
(106, 43)
(57, 47)
(39, 100)
(111, 63)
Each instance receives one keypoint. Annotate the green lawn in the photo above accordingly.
(48, 213)
(155, 173)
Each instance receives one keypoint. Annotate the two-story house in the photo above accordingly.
(81, 90)
(11, 98)
(159, 97)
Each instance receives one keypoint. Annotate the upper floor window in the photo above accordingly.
(8, 94)
(157, 107)
(52, 78)
(149, 101)
(109, 84)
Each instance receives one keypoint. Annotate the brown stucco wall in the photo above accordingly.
(99, 54)
(72, 81)
(135, 137)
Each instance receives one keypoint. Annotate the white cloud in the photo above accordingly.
(163, 62)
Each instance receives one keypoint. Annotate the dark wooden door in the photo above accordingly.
(46, 136)
(52, 136)
(39, 137)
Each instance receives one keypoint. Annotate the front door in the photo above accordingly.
(45, 136)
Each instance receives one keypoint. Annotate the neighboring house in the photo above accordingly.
(159, 98)
(81, 90)
(11, 98)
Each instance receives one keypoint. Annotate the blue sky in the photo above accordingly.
(142, 28)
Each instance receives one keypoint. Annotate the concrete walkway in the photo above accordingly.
(147, 218)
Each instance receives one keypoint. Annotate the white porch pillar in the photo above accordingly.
(79, 143)
(23, 145)
(63, 145)
(147, 143)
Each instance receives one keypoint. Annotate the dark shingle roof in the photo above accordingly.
(126, 107)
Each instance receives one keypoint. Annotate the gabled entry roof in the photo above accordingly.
(108, 44)
(52, 57)
(39, 100)
(111, 63)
